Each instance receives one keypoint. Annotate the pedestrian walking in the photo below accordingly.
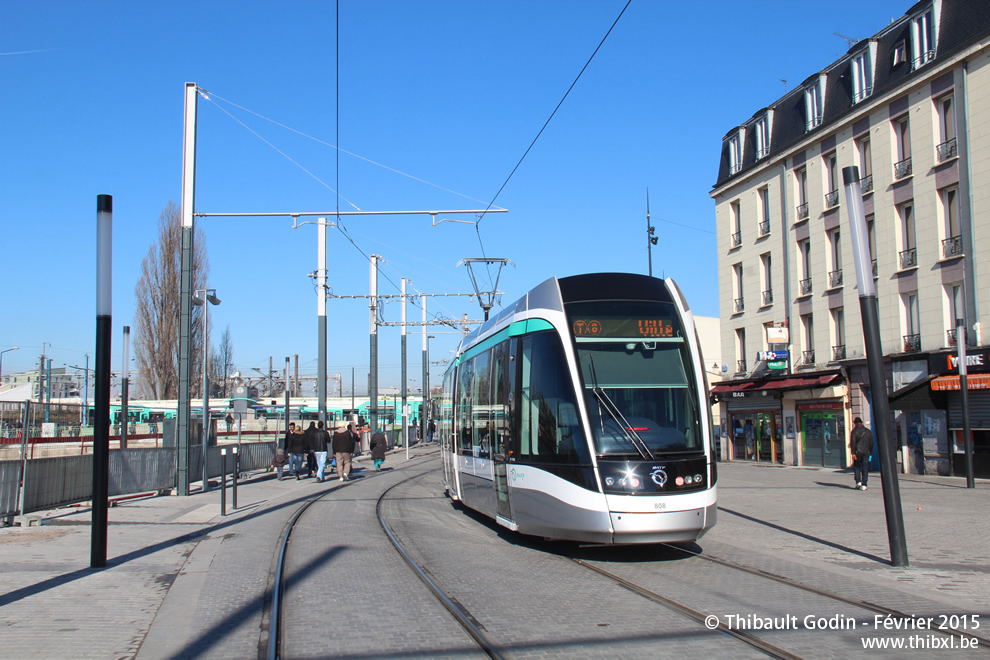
(295, 444)
(431, 430)
(310, 449)
(861, 447)
(343, 447)
(278, 462)
(356, 438)
(379, 444)
(229, 421)
(321, 442)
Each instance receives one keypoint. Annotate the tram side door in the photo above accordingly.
(500, 459)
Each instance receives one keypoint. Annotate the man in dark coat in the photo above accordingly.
(321, 441)
(861, 447)
(310, 449)
(295, 445)
(343, 447)
(379, 444)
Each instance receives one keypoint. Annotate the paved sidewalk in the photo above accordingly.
(183, 580)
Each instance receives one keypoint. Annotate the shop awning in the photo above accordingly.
(917, 396)
(790, 383)
(973, 382)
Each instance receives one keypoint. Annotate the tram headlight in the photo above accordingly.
(689, 480)
(697, 478)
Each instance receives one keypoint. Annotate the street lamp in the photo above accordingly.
(209, 296)
(6, 350)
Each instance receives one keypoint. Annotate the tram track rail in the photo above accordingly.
(866, 605)
(276, 609)
(752, 640)
(458, 611)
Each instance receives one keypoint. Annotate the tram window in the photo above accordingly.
(481, 406)
(465, 385)
(550, 427)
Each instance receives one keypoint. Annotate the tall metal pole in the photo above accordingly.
(101, 431)
(86, 393)
(373, 375)
(206, 392)
(186, 283)
(124, 383)
(424, 409)
(48, 388)
(321, 313)
(405, 432)
(287, 393)
(964, 392)
(874, 361)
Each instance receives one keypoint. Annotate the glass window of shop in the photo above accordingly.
(823, 438)
(757, 436)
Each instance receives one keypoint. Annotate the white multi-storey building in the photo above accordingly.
(910, 107)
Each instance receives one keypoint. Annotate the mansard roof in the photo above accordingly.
(962, 23)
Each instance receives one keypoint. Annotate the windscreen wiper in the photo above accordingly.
(604, 401)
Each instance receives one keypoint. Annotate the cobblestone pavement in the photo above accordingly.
(183, 582)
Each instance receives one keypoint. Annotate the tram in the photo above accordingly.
(580, 412)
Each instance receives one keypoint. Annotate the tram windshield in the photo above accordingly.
(635, 366)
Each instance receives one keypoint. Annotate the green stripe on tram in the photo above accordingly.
(514, 330)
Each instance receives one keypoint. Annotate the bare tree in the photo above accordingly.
(222, 364)
(157, 313)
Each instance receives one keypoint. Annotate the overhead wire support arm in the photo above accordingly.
(298, 214)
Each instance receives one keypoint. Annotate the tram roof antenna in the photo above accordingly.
(485, 298)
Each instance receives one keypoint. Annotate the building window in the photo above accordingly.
(831, 180)
(737, 287)
(762, 136)
(740, 350)
(835, 274)
(902, 141)
(814, 104)
(946, 148)
(871, 237)
(838, 334)
(912, 322)
(865, 164)
(808, 352)
(952, 243)
(801, 192)
(767, 276)
(908, 254)
(922, 40)
(804, 249)
(956, 312)
(862, 76)
(764, 194)
(735, 152)
(735, 227)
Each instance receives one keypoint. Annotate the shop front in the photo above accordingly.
(949, 383)
(758, 428)
(823, 433)
(757, 436)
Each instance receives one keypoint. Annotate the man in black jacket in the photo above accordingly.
(321, 439)
(295, 445)
(861, 446)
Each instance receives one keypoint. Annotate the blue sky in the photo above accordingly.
(451, 93)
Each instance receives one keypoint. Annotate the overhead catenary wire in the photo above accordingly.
(543, 128)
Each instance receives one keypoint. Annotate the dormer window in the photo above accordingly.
(923, 35)
(814, 104)
(761, 132)
(735, 152)
(861, 69)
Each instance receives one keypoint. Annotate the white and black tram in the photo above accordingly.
(580, 412)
